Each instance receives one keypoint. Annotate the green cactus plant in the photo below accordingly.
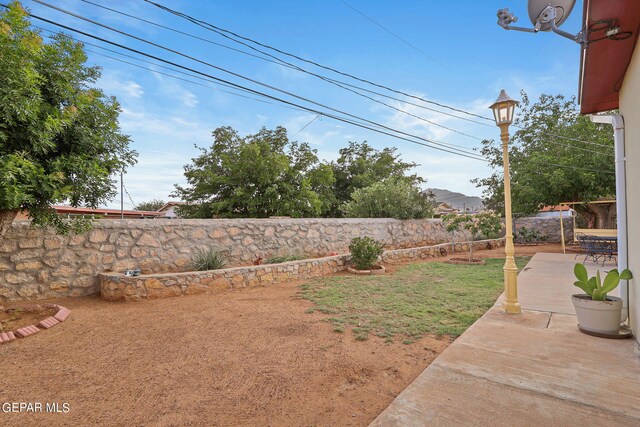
(596, 288)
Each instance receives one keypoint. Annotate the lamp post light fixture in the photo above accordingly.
(503, 113)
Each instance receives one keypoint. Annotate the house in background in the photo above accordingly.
(169, 209)
(554, 212)
(609, 80)
(444, 209)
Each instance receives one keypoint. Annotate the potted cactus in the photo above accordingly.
(596, 311)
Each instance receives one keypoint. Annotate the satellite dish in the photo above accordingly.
(538, 12)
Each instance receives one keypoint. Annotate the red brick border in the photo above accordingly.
(60, 316)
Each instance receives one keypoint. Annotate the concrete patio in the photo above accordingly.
(535, 368)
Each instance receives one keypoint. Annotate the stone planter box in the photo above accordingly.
(118, 287)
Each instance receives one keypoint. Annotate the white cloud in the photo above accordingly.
(121, 88)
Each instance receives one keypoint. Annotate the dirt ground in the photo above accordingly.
(250, 357)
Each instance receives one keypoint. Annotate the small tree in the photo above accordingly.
(452, 224)
(485, 223)
(59, 135)
(391, 198)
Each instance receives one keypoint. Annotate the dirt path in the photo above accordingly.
(251, 357)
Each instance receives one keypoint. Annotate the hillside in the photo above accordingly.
(457, 200)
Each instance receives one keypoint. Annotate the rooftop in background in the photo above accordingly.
(555, 208)
(100, 212)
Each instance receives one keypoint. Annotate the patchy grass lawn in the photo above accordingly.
(430, 297)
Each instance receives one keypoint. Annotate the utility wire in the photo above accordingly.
(129, 195)
(192, 19)
(242, 77)
(165, 67)
(355, 123)
(305, 126)
(389, 31)
(211, 87)
(338, 83)
(278, 61)
(216, 29)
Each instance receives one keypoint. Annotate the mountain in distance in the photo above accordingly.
(457, 200)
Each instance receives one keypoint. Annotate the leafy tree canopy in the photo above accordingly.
(360, 166)
(59, 134)
(258, 175)
(547, 170)
(152, 205)
(391, 198)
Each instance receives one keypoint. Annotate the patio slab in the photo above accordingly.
(530, 369)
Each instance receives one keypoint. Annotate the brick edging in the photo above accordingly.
(26, 331)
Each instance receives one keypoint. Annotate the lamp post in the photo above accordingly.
(503, 113)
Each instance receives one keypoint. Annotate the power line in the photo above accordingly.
(338, 83)
(195, 20)
(271, 103)
(450, 149)
(353, 122)
(389, 31)
(165, 67)
(278, 61)
(216, 29)
(305, 126)
(184, 33)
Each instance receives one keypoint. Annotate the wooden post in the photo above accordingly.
(562, 232)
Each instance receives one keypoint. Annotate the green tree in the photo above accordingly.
(59, 135)
(255, 176)
(152, 205)
(547, 170)
(360, 166)
(391, 198)
(486, 224)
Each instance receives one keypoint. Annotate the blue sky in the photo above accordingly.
(462, 59)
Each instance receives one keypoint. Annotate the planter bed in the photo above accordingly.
(118, 287)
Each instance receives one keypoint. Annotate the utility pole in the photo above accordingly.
(121, 195)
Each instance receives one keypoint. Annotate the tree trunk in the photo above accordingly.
(6, 218)
(598, 215)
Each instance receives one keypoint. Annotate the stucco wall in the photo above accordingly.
(36, 263)
(630, 110)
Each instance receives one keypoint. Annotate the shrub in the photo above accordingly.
(365, 252)
(207, 259)
(285, 258)
(391, 198)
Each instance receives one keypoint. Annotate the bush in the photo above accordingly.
(207, 259)
(365, 252)
(285, 258)
(391, 198)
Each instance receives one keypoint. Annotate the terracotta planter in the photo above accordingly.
(602, 317)
(377, 269)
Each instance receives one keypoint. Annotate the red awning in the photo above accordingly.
(604, 62)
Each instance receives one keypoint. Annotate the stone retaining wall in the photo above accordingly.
(37, 263)
(117, 287)
(547, 226)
